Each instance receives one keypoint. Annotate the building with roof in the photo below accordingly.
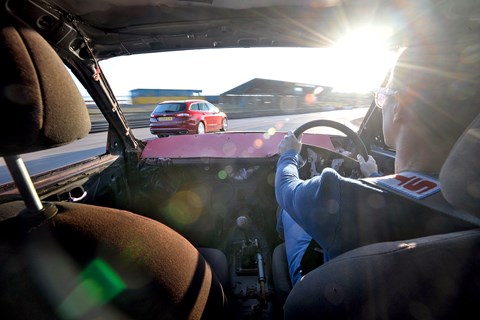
(154, 96)
(263, 92)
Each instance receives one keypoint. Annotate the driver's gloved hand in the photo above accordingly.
(289, 142)
(368, 167)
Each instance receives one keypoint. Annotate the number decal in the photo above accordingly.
(411, 184)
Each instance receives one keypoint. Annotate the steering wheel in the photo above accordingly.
(348, 163)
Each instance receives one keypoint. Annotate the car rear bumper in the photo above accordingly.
(176, 126)
(169, 130)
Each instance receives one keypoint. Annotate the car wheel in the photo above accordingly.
(224, 125)
(201, 128)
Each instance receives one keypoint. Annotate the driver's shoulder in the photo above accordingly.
(332, 179)
(332, 176)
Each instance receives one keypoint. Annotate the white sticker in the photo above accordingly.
(411, 184)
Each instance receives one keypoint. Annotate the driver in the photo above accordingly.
(426, 105)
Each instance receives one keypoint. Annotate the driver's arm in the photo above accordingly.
(304, 200)
(307, 201)
(314, 203)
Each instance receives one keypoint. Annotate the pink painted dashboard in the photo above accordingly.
(225, 145)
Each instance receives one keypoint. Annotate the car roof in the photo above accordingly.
(109, 28)
(183, 101)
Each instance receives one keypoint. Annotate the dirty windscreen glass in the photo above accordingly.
(276, 85)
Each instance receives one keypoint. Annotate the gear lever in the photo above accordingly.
(243, 223)
(249, 247)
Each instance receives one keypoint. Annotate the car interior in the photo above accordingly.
(158, 229)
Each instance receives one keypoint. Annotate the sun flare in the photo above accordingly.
(362, 59)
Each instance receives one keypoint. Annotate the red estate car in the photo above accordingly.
(186, 116)
(122, 226)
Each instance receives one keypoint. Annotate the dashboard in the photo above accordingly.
(203, 199)
(200, 184)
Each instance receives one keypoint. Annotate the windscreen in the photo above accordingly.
(170, 107)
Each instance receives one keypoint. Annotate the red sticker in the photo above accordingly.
(412, 184)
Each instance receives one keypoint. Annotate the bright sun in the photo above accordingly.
(362, 58)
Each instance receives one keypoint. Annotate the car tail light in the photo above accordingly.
(183, 115)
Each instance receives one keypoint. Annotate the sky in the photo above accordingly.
(354, 65)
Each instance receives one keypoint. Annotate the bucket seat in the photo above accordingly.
(71, 260)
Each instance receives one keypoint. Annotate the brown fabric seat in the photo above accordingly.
(121, 263)
(81, 261)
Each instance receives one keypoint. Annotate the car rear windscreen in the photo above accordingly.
(170, 107)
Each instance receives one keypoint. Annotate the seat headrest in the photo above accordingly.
(460, 174)
(41, 104)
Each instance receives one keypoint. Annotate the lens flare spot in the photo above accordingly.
(229, 149)
(222, 174)
(271, 179)
(184, 208)
(270, 132)
(98, 284)
(258, 143)
(310, 99)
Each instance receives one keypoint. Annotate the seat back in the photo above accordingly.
(434, 277)
(460, 175)
(38, 95)
(89, 262)
(64, 260)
